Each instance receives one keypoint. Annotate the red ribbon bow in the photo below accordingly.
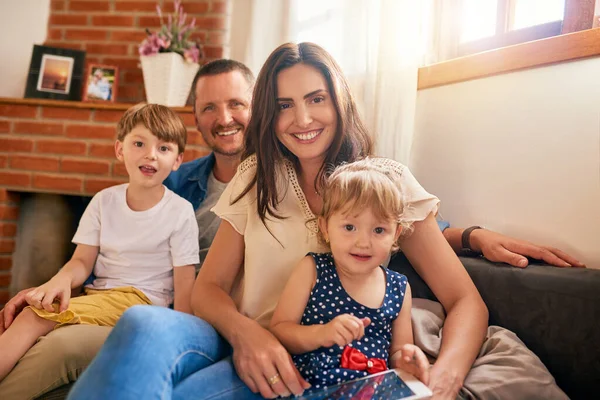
(354, 359)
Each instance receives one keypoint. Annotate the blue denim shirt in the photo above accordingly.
(441, 223)
(191, 179)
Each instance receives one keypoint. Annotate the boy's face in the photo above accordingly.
(148, 159)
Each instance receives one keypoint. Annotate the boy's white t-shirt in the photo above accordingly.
(139, 248)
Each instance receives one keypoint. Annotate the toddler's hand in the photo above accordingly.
(411, 359)
(43, 296)
(343, 329)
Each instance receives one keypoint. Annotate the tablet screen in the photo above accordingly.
(386, 386)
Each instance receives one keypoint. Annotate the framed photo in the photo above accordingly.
(101, 83)
(55, 73)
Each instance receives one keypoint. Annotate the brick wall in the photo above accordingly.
(9, 211)
(111, 30)
(57, 148)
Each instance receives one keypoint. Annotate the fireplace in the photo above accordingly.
(44, 229)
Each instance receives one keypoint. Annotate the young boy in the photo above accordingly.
(139, 239)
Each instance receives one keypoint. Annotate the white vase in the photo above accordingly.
(168, 78)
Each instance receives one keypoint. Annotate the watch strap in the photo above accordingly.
(466, 238)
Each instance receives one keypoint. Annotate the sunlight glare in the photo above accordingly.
(535, 12)
(478, 19)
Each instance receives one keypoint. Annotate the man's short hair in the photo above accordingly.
(163, 122)
(222, 66)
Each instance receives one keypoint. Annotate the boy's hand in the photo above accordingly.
(343, 329)
(43, 296)
(411, 359)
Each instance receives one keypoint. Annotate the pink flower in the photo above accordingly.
(192, 54)
(153, 44)
(163, 42)
(149, 46)
(173, 36)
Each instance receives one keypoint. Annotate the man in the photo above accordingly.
(223, 90)
(221, 101)
(221, 97)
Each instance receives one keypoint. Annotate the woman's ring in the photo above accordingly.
(274, 379)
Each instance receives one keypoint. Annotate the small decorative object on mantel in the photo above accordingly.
(55, 73)
(101, 83)
(170, 59)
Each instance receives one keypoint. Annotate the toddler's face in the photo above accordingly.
(148, 159)
(360, 242)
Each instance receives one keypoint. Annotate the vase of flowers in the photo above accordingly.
(170, 59)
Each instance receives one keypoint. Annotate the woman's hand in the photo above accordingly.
(444, 384)
(500, 248)
(264, 364)
(343, 329)
(411, 359)
(43, 296)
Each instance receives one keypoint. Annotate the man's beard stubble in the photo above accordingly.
(216, 148)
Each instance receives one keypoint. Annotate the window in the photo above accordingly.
(489, 24)
(527, 13)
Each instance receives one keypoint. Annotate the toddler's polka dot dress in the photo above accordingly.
(328, 299)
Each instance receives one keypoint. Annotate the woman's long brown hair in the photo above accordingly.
(351, 141)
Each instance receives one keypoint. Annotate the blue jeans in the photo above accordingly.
(157, 353)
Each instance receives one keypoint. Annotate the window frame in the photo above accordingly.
(578, 15)
(552, 50)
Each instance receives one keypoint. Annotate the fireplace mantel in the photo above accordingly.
(79, 104)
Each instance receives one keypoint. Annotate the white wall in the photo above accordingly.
(23, 23)
(518, 153)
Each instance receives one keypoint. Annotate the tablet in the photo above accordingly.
(388, 385)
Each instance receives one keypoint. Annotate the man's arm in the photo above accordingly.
(13, 308)
(500, 248)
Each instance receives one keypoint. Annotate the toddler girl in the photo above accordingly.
(342, 315)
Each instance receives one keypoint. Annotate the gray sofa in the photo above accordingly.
(555, 311)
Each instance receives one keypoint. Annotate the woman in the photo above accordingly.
(303, 120)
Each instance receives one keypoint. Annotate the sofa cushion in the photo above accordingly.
(554, 311)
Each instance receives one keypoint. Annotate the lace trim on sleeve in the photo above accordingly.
(248, 164)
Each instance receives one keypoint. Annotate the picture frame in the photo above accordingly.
(55, 73)
(101, 83)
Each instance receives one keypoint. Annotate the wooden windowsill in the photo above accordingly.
(79, 104)
(548, 51)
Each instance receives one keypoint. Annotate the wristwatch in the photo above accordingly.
(466, 240)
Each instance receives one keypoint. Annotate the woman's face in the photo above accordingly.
(307, 118)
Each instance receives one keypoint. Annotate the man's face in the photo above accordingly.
(222, 111)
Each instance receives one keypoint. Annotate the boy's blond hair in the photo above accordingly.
(163, 122)
(361, 185)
